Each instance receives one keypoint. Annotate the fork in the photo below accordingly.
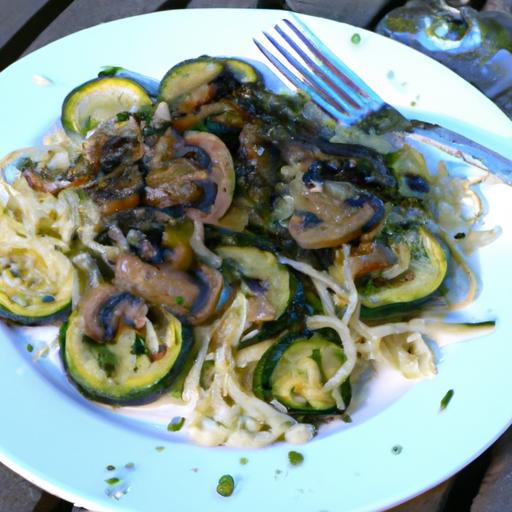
(313, 68)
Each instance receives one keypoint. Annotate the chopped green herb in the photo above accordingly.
(30, 347)
(113, 481)
(110, 71)
(179, 300)
(107, 360)
(159, 448)
(244, 461)
(446, 399)
(295, 458)
(129, 465)
(48, 298)
(122, 116)
(226, 485)
(110, 467)
(356, 38)
(396, 450)
(176, 424)
(139, 346)
(145, 113)
(413, 103)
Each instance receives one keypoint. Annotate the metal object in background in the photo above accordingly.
(476, 45)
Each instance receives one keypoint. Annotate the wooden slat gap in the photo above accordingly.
(18, 43)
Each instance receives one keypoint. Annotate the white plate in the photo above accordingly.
(63, 443)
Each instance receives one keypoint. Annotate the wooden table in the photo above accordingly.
(25, 25)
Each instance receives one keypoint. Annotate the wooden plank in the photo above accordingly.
(239, 4)
(16, 494)
(87, 13)
(15, 14)
(359, 13)
(495, 492)
(430, 501)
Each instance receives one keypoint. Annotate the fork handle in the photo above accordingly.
(461, 147)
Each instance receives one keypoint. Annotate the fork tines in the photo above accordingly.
(301, 57)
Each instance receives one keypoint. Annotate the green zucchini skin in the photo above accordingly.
(72, 117)
(428, 267)
(58, 315)
(138, 396)
(291, 319)
(401, 311)
(204, 70)
(262, 379)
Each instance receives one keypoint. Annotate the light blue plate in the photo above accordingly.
(58, 440)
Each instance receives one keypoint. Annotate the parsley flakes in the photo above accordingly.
(226, 486)
(446, 399)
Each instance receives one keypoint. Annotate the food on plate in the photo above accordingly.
(230, 249)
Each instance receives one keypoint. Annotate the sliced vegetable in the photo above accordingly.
(242, 71)
(36, 280)
(194, 296)
(150, 84)
(98, 100)
(267, 281)
(189, 84)
(188, 76)
(126, 371)
(221, 176)
(294, 370)
(292, 318)
(106, 309)
(118, 191)
(335, 215)
(424, 273)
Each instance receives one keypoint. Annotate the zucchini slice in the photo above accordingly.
(187, 76)
(122, 372)
(36, 280)
(272, 278)
(295, 369)
(291, 320)
(98, 100)
(424, 274)
(241, 71)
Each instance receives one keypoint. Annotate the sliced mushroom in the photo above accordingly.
(212, 284)
(159, 156)
(158, 284)
(114, 144)
(105, 308)
(52, 178)
(177, 185)
(193, 297)
(335, 215)
(120, 190)
(221, 176)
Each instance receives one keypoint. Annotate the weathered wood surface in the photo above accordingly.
(495, 494)
(16, 494)
(360, 13)
(15, 13)
(87, 13)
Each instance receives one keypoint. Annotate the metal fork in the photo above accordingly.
(313, 68)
